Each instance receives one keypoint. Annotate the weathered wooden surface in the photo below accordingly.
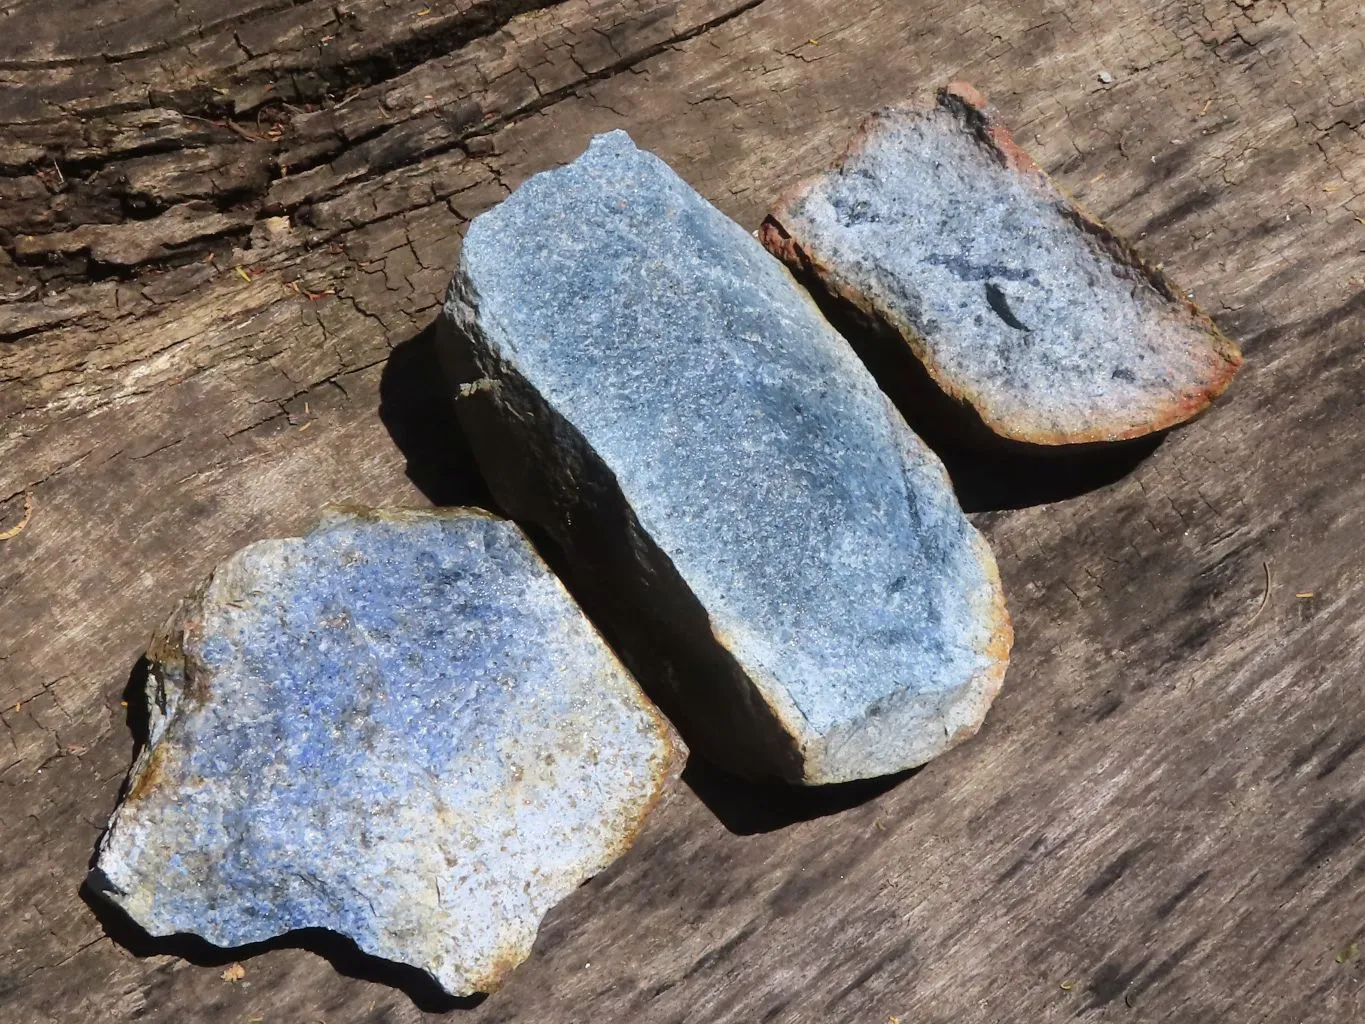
(1164, 816)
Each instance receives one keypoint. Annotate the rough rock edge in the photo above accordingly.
(979, 692)
(982, 119)
(543, 471)
(174, 677)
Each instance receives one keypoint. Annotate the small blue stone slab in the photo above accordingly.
(643, 380)
(1018, 305)
(400, 728)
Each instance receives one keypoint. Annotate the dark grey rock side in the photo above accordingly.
(779, 558)
(400, 728)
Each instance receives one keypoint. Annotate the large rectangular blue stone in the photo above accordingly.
(779, 557)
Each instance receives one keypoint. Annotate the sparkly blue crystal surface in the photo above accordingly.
(820, 535)
(399, 727)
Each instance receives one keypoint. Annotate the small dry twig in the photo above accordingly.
(297, 289)
(237, 129)
(1265, 598)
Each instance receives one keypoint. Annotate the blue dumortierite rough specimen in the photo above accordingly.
(780, 559)
(1038, 319)
(399, 727)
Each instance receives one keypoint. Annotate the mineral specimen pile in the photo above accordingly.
(782, 559)
(399, 727)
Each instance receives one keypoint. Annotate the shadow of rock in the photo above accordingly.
(339, 951)
(746, 808)
(136, 714)
(987, 480)
(418, 410)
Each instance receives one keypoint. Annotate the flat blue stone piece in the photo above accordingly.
(641, 379)
(1016, 302)
(399, 727)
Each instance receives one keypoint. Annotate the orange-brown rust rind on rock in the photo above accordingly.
(985, 119)
(149, 774)
(997, 652)
(505, 961)
(781, 235)
(665, 769)
(996, 655)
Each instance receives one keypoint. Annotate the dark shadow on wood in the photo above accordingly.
(418, 410)
(138, 719)
(336, 949)
(746, 808)
(988, 472)
(136, 712)
(991, 480)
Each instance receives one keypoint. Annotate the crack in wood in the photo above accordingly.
(96, 250)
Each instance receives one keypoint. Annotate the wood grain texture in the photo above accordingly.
(1166, 807)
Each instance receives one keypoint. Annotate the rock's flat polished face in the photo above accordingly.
(1013, 299)
(817, 531)
(399, 727)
